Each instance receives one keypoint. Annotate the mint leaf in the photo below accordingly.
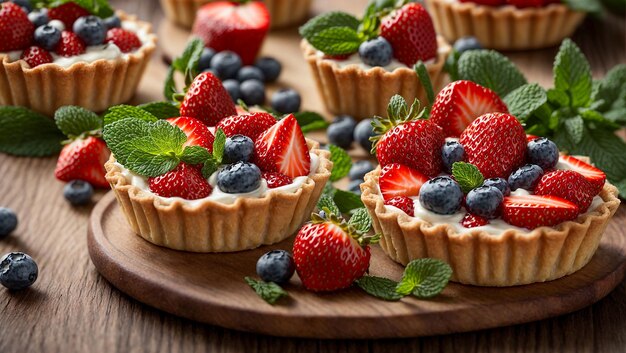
(268, 291)
(595, 119)
(218, 145)
(424, 278)
(310, 121)
(379, 287)
(347, 201)
(490, 69)
(336, 40)
(328, 20)
(525, 100)
(210, 166)
(195, 155)
(74, 121)
(572, 74)
(123, 111)
(422, 74)
(574, 127)
(591, 6)
(26, 133)
(361, 220)
(467, 175)
(341, 162)
(187, 64)
(161, 110)
(326, 202)
(558, 98)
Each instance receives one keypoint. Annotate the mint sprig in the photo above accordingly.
(347, 201)
(213, 160)
(379, 287)
(187, 64)
(29, 134)
(336, 40)
(123, 111)
(341, 162)
(268, 291)
(467, 175)
(75, 122)
(572, 74)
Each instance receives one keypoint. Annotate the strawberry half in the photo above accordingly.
(275, 180)
(460, 103)
(403, 203)
(226, 25)
(532, 211)
(248, 124)
(197, 133)
(411, 33)
(282, 148)
(83, 159)
(472, 221)
(207, 100)
(496, 144)
(567, 184)
(593, 175)
(67, 13)
(399, 180)
(36, 56)
(184, 181)
(70, 45)
(127, 41)
(16, 31)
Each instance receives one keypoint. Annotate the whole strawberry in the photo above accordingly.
(70, 44)
(184, 181)
(207, 100)
(247, 124)
(67, 13)
(569, 185)
(16, 31)
(407, 139)
(127, 41)
(83, 159)
(36, 56)
(411, 33)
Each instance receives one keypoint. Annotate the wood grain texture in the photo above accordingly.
(73, 309)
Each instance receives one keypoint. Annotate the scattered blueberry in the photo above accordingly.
(451, 152)
(484, 201)
(355, 186)
(286, 101)
(112, 22)
(57, 24)
(341, 131)
(526, 177)
(18, 271)
(276, 266)
(205, 59)
(441, 195)
(240, 177)
(226, 63)
(39, 18)
(499, 183)
(238, 148)
(233, 89)
(90, 29)
(359, 169)
(8, 221)
(464, 44)
(78, 192)
(362, 133)
(47, 36)
(252, 92)
(270, 67)
(376, 52)
(250, 73)
(543, 153)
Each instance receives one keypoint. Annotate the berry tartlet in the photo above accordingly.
(358, 64)
(506, 25)
(501, 208)
(70, 55)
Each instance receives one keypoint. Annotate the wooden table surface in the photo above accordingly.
(73, 309)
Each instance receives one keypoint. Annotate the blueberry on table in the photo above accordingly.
(484, 201)
(499, 183)
(355, 186)
(226, 63)
(362, 133)
(464, 44)
(18, 271)
(526, 177)
(233, 88)
(359, 169)
(451, 152)
(238, 148)
(39, 17)
(90, 29)
(441, 195)
(270, 67)
(47, 37)
(276, 266)
(238, 178)
(252, 92)
(341, 131)
(205, 59)
(286, 101)
(8, 221)
(376, 52)
(250, 73)
(112, 22)
(78, 192)
(543, 153)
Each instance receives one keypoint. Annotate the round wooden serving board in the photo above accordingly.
(210, 288)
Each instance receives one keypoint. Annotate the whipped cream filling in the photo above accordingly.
(355, 59)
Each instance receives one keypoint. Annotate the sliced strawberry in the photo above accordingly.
(36, 56)
(184, 181)
(197, 133)
(594, 175)
(16, 31)
(282, 148)
(207, 100)
(67, 13)
(567, 184)
(460, 103)
(275, 180)
(399, 180)
(83, 159)
(532, 211)
(70, 45)
(403, 203)
(127, 41)
(472, 221)
(248, 124)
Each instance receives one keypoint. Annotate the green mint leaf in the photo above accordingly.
(610, 93)
(347, 201)
(218, 145)
(29, 134)
(575, 128)
(169, 89)
(591, 6)
(310, 121)
(326, 202)
(316, 125)
(451, 65)
(422, 74)
(161, 110)
(616, 115)
(328, 20)
(336, 41)
(195, 155)
(558, 98)
(379, 287)
(424, 278)
(572, 74)
(268, 291)
(120, 112)
(210, 166)
(490, 69)
(467, 175)
(595, 119)
(74, 121)
(361, 220)
(525, 100)
(341, 162)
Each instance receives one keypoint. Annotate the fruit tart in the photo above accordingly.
(71, 55)
(500, 207)
(506, 24)
(358, 64)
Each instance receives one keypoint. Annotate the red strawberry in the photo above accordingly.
(248, 124)
(70, 44)
(16, 31)
(399, 180)
(226, 25)
(593, 175)
(183, 181)
(403, 203)
(460, 102)
(127, 41)
(197, 133)
(207, 100)
(495, 143)
(567, 184)
(525, 3)
(83, 159)
(471, 221)
(531, 137)
(486, 2)
(532, 211)
(36, 56)
(275, 180)
(282, 148)
(67, 13)
(411, 33)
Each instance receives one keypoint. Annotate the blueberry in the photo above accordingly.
(525, 177)
(376, 52)
(205, 59)
(78, 192)
(90, 29)
(270, 67)
(355, 186)
(57, 24)
(238, 148)
(233, 89)
(286, 101)
(359, 169)
(250, 73)
(17, 271)
(484, 201)
(276, 266)
(39, 18)
(252, 92)
(464, 44)
(47, 36)
(341, 131)
(226, 64)
(8, 221)
(112, 22)
(499, 183)
(362, 133)
(322, 213)
(543, 153)
(240, 177)
(441, 195)
(451, 152)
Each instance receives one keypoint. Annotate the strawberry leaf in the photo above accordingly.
(326, 202)
(361, 220)
(74, 121)
(424, 278)
(161, 110)
(268, 291)
(336, 40)
(572, 74)
(467, 175)
(379, 287)
(29, 134)
(490, 69)
(341, 162)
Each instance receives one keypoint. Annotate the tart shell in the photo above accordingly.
(505, 27)
(363, 93)
(93, 85)
(478, 258)
(211, 226)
